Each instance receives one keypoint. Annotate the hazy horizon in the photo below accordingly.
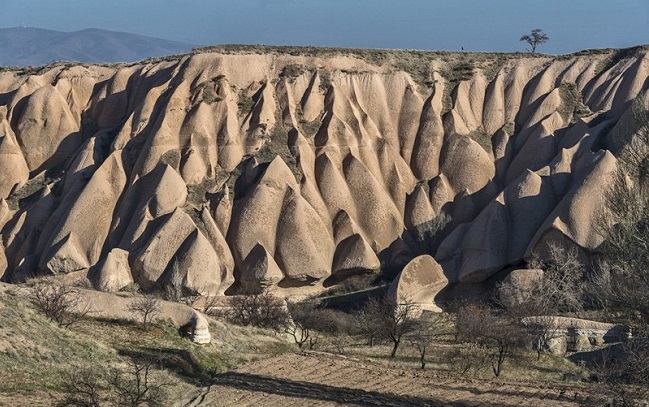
(410, 24)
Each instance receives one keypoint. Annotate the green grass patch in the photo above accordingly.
(36, 355)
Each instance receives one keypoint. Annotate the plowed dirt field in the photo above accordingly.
(314, 379)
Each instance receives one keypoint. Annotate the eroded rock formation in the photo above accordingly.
(230, 171)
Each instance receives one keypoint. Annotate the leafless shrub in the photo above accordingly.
(302, 327)
(392, 319)
(482, 326)
(624, 224)
(426, 331)
(624, 371)
(470, 358)
(136, 385)
(262, 310)
(560, 288)
(147, 308)
(84, 387)
(59, 303)
(365, 324)
(140, 383)
(340, 342)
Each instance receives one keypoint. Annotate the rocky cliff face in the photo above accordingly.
(226, 171)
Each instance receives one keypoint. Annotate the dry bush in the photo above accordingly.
(498, 333)
(84, 387)
(560, 289)
(390, 319)
(622, 279)
(59, 303)
(140, 383)
(364, 324)
(261, 310)
(136, 386)
(624, 371)
(147, 308)
(563, 288)
(470, 358)
(426, 331)
(304, 322)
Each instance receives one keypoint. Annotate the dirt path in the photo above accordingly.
(327, 380)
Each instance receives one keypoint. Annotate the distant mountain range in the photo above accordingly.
(24, 46)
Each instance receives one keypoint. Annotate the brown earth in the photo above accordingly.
(317, 379)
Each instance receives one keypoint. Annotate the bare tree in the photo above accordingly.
(560, 289)
(304, 321)
(84, 387)
(426, 331)
(147, 308)
(622, 280)
(624, 224)
(470, 358)
(536, 37)
(136, 386)
(367, 325)
(139, 383)
(481, 325)
(59, 303)
(394, 319)
(624, 371)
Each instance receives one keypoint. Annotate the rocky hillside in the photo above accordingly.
(232, 168)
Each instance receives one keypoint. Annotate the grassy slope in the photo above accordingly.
(35, 354)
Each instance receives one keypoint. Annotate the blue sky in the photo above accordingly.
(476, 25)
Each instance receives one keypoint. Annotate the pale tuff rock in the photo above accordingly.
(430, 136)
(352, 255)
(518, 286)
(259, 270)
(95, 203)
(12, 165)
(576, 335)
(46, 129)
(465, 164)
(419, 282)
(244, 170)
(160, 250)
(116, 307)
(113, 273)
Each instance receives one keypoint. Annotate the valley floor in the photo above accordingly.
(318, 379)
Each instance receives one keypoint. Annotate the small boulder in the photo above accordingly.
(114, 273)
(353, 254)
(259, 270)
(420, 281)
(518, 286)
